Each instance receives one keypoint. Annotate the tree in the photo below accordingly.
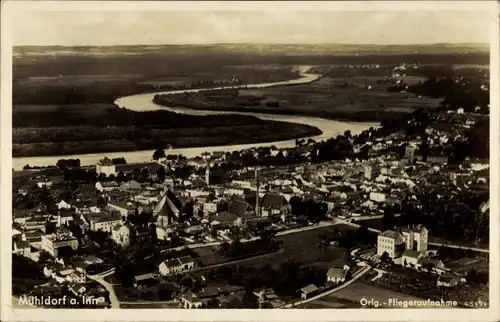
(296, 204)
(237, 249)
(50, 227)
(101, 177)
(159, 154)
(388, 220)
(385, 258)
(161, 174)
(44, 256)
(102, 202)
(213, 303)
(224, 247)
(186, 281)
(120, 177)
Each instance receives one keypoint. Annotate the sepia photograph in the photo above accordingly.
(328, 158)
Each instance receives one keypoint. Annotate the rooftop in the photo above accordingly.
(309, 289)
(336, 272)
(105, 162)
(390, 234)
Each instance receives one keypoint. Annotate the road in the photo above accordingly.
(379, 274)
(115, 304)
(349, 282)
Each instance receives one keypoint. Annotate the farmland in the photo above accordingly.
(337, 98)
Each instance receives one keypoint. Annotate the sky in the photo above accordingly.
(103, 28)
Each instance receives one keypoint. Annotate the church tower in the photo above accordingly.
(207, 173)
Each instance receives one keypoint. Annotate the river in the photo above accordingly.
(144, 102)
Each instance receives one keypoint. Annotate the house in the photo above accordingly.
(53, 242)
(432, 265)
(336, 275)
(58, 271)
(21, 246)
(437, 159)
(239, 208)
(77, 288)
(82, 263)
(377, 196)
(107, 186)
(121, 235)
(76, 277)
(147, 197)
(105, 166)
(63, 205)
(64, 216)
(308, 291)
(176, 265)
(125, 208)
(131, 186)
(190, 301)
(389, 242)
(448, 281)
(104, 221)
(265, 294)
(224, 219)
(209, 208)
(34, 238)
(410, 258)
(44, 183)
(273, 204)
(17, 229)
(268, 296)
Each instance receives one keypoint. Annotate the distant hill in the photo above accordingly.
(280, 49)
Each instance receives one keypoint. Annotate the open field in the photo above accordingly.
(329, 95)
(300, 246)
(341, 98)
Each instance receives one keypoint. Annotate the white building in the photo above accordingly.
(106, 166)
(107, 186)
(209, 208)
(45, 183)
(51, 243)
(63, 205)
(176, 265)
(104, 221)
(337, 275)
(388, 242)
(121, 235)
(410, 258)
(377, 196)
(416, 238)
(190, 301)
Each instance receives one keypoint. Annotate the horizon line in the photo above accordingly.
(266, 43)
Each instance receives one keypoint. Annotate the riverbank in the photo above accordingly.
(304, 127)
(62, 141)
(354, 116)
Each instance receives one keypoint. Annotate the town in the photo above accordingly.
(399, 211)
